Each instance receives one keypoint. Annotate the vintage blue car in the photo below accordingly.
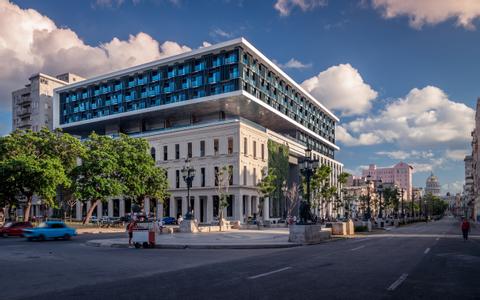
(49, 230)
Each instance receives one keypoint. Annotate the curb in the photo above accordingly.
(200, 246)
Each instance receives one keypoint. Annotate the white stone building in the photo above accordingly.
(217, 106)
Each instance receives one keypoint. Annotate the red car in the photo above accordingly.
(14, 228)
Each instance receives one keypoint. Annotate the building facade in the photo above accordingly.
(32, 106)
(472, 169)
(432, 185)
(219, 106)
(400, 175)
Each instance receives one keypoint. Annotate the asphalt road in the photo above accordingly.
(422, 261)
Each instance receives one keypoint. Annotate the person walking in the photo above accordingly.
(130, 227)
(465, 229)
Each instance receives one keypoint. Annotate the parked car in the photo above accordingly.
(169, 221)
(14, 228)
(50, 230)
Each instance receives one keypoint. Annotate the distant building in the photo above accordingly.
(32, 106)
(417, 193)
(400, 174)
(432, 185)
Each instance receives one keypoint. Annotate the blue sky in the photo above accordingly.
(400, 77)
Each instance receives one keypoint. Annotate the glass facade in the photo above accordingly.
(263, 83)
(213, 73)
(209, 75)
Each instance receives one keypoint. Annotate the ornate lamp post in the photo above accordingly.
(380, 192)
(369, 213)
(285, 196)
(413, 209)
(188, 174)
(307, 168)
(403, 210)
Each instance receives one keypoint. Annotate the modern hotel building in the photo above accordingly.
(218, 106)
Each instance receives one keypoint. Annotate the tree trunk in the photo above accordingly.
(90, 211)
(26, 209)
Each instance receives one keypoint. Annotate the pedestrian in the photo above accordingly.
(179, 220)
(130, 227)
(465, 229)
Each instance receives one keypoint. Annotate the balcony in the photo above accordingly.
(24, 111)
(24, 100)
(25, 123)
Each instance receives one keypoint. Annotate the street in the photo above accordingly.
(420, 261)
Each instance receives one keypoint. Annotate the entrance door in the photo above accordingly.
(203, 208)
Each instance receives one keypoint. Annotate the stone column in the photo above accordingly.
(172, 207)
(266, 208)
(248, 209)
(121, 207)
(89, 204)
(238, 208)
(209, 216)
(99, 209)
(110, 208)
(184, 206)
(196, 208)
(78, 208)
(159, 209)
(146, 205)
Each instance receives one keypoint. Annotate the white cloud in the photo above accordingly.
(294, 64)
(217, 32)
(285, 7)
(363, 139)
(31, 42)
(425, 117)
(421, 12)
(342, 88)
(452, 187)
(107, 3)
(458, 155)
(402, 155)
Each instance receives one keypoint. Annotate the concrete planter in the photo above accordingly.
(339, 228)
(308, 234)
(350, 227)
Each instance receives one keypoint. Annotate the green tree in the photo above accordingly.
(266, 187)
(98, 177)
(342, 180)
(137, 170)
(319, 184)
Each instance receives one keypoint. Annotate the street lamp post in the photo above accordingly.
(188, 173)
(413, 209)
(403, 210)
(307, 168)
(285, 196)
(368, 214)
(380, 192)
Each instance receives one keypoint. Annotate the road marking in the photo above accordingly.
(269, 273)
(398, 282)
(359, 247)
(426, 251)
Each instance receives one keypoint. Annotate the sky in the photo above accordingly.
(400, 74)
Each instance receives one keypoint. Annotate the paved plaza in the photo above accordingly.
(419, 261)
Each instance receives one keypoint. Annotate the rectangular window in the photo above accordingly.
(262, 151)
(230, 206)
(230, 175)
(177, 151)
(202, 148)
(216, 176)
(215, 147)
(189, 150)
(202, 171)
(245, 146)
(254, 149)
(177, 179)
(230, 145)
(165, 152)
(244, 175)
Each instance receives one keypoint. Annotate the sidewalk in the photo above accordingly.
(235, 239)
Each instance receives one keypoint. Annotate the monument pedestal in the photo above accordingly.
(189, 226)
(339, 228)
(308, 234)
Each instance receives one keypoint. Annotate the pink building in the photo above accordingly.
(400, 174)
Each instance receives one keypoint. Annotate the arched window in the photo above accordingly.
(152, 153)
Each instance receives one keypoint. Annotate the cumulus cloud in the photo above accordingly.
(294, 64)
(425, 117)
(342, 88)
(31, 43)
(458, 155)
(452, 187)
(285, 7)
(431, 11)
